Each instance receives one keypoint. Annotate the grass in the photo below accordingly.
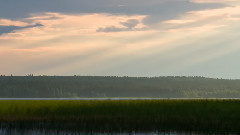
(124, 115)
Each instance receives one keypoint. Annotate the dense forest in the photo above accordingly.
(112, 86)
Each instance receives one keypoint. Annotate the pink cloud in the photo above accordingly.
(204, 20)
(57, 25)
(213, 1)
(8, 22)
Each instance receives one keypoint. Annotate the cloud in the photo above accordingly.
(204, 19)
(178, 21)
(129, 25)
(9, 29)
(8, 22)
(213, 1)
(57, 24)
(112, 29)
(7, 25)
(156, 10)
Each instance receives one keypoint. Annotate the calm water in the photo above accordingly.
(111, 98)
(78, 98)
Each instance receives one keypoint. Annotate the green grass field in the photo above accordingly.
(149, 115)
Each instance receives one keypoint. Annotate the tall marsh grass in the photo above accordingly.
(124, 115)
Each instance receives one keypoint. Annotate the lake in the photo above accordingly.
(113, 98)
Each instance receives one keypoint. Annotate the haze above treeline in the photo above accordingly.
(112, 86)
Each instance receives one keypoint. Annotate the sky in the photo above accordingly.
(120, 37)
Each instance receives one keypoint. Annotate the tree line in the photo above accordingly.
(113, 86)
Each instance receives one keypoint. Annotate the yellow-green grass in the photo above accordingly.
(124, 115)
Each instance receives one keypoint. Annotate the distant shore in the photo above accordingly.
(114, 87)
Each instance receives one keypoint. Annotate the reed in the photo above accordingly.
(126, 115)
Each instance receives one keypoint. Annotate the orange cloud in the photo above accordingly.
(204, 20)
(213, 1)
(178, 21)
(57, 25)
(8, 22)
